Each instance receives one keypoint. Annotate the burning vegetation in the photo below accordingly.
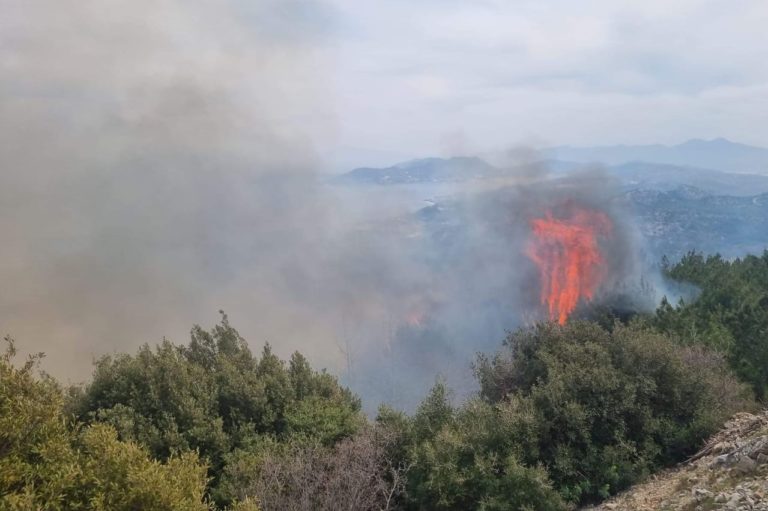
(566, 251)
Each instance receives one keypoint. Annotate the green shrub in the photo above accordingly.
(48, 463)
(215, 397)
(468, 463)
(605, 408)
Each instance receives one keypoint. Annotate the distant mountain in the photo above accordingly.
(424, 170)
(718, 154)
(653, 176)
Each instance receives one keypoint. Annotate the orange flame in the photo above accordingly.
(567, 254)
(415, 318)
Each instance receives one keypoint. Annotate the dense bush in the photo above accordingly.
(469, 459)
(215, 397)
(565, 414)
(609, 406)
(48, 463)
(730, 312)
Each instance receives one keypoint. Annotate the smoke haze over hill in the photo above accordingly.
(161, 161)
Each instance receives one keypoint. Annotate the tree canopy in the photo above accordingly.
(214, 397)
(563, 415)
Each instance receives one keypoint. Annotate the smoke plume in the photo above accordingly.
(159, 164)
(483, 283)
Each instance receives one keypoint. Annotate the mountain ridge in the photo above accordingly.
(657, 176)
(717, 154)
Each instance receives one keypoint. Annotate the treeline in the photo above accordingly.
(565, 415)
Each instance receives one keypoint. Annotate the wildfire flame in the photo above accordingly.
(415, 318)
(568, 256)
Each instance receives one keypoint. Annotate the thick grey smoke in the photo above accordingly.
(158, 164)
(483, 284)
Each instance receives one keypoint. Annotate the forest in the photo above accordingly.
(565, 415)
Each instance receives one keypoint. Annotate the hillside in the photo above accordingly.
(564, 415)
(728, 473)
(672, 222)
(664, 177)
(677, 221)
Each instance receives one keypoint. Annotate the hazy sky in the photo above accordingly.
(426, 77)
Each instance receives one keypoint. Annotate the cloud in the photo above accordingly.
(485, 53)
